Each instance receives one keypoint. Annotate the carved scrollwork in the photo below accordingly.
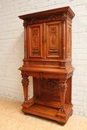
(33, 21)
(52, 18)
(55, 17)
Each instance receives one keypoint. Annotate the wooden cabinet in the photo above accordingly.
(47, 58)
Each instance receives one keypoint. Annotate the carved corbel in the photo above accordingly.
(25, 83)
(62, 91)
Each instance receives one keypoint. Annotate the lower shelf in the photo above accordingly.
(48, 112)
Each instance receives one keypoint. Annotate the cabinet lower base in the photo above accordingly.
(48, 112)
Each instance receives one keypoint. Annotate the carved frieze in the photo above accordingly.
(45, 18)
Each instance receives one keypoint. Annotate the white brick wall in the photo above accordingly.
(11, 47)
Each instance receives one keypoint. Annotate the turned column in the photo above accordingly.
(62, 91)
(25, 83)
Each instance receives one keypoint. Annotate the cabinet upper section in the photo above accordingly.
(48, 37)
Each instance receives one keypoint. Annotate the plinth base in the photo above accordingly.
(48, 112)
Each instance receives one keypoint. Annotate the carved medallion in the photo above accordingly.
(50, 87)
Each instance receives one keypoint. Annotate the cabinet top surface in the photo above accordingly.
(47, 12)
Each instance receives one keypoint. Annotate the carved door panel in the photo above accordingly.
(54, 39)
(35, 45)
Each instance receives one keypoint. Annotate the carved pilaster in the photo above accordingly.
(62, 91)
(25, 83)
(64, 49)
(25, 39)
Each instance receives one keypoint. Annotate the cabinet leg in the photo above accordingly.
(62, 91)
(25, 83)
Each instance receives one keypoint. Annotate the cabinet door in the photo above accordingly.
(35, 45)
(53, 39)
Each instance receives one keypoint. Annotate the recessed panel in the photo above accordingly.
(35, 41)
(54, 40)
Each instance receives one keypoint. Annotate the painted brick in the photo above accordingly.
(81, 2)
(79, 8)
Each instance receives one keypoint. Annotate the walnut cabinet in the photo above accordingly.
(47, 58)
